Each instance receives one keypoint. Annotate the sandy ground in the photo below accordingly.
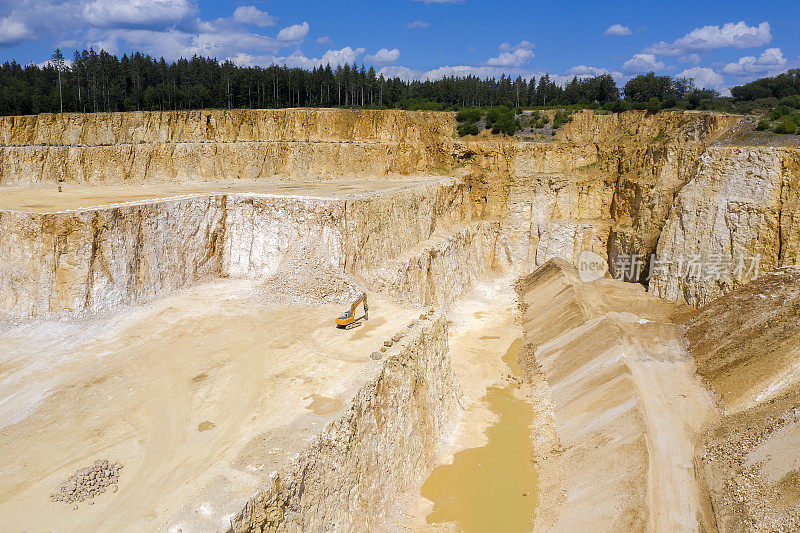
(81, 198)
(200, 395)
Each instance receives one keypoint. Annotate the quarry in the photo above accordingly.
(169, 359)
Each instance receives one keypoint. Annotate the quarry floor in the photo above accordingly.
(48, 199)
(203, 393)
(200, 395)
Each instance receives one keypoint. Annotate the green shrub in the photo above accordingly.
(780, 110)
(617, 106)
(467, 128)
(561, 117)
(763, 125)
(505, 124)
(791, 101)
(472, 114)
(786, 125)
(494, 114)
(653, 105)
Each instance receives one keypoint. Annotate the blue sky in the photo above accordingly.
(718, 43)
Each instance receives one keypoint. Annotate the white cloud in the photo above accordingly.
(418, 25)
(333, 58)
(618, 29)
(43, 64)
(324, 40)
(771, 61)
(296, 32)
(384, 56)
(174, 44)
(13, 31)
(642, 63)
(340, 57)
(404, 73)
(736, 35)
(511, 59)
(512, 56)
(132, 13)
(486, 71)
(690, 58)
(253, 15)
(460, 70)
(583, 71)
(704, 78)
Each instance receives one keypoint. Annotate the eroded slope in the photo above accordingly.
(747, 347)
(618, 390)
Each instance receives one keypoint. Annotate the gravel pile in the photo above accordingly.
(88, 482)
(304, 281)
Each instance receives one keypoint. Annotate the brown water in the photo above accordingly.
(491, 488)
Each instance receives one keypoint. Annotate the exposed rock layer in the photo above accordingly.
(402, 242)
(220, 145)
(617, 184)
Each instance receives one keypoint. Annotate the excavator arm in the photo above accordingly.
(348, 319)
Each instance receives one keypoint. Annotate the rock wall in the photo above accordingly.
(630, 186)
(347, 477)
(221, 145)
(739, 214)
(621, 185)
(95, 260)
(605, 183)
(435, 272)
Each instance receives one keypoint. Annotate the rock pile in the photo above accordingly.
(88, 482)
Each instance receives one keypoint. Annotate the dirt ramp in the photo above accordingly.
(624, 406)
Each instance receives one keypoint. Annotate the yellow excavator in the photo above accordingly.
(348, 320)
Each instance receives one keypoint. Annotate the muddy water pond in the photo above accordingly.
(493, 487)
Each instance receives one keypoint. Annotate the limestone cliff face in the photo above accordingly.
(636, 185)
(347, 476)
(221, 145)
(605, 183)
(95, 260)
(740, 212)
(616, 184)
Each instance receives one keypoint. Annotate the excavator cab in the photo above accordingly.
(349, 319)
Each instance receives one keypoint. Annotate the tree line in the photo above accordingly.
(99, 81)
